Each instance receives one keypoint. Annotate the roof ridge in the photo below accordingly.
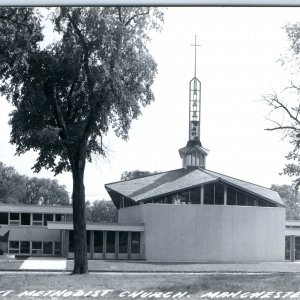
(241, 180)
(207, 172)
(162, 172)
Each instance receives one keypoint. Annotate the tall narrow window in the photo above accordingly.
(47, 248)
(14, 247)
(88, 240)
(98, 241)
(57, 248)
(219, 193)
(71, 241)
(3, 218)
(250, 200)
(25, 247)
(231, 196)
(288, 247)
(25, 219)
(195, 195)
(241, 198)
(135, 242)
(110, 242)
(209, 191)
(297, 248)
(123, 241)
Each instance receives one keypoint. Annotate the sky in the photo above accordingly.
(237, 64)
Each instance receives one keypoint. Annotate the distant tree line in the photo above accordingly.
(126, 175)
(291, 199)
(101, 211)
(21, 189)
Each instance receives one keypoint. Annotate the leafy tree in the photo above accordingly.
(16, 189)
(291, 199)
(285, 107)
(45, 191)
(67, 95)
(101, 211)
(126, 175)
(12, 185)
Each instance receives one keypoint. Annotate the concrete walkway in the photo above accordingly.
(44, 263)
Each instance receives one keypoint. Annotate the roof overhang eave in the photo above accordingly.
(253, 193)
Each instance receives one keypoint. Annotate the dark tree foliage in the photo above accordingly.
(291, 199)
(101, 211)
(285, 106)
(126, 175)
(45, 191)
(20, 189)
(67, 95)
(12, 185)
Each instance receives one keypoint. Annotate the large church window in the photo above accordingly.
(241, 198)
(231, 196)
(209, 191)
(195, 195)
(219, 193)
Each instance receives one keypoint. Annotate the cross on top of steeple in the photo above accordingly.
(195, 45)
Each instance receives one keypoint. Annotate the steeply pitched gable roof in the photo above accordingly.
(171, 181)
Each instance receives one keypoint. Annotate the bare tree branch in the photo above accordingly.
(137, 15)
(281, 127)
(274, 102)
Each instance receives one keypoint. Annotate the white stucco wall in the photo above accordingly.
(209, 232)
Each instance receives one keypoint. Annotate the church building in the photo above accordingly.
(195, 214)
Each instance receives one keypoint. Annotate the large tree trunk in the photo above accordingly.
(79, 221)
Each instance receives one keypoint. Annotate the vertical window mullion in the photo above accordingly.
(214, 193)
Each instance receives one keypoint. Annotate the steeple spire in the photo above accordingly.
(193, 154)
(195, 102)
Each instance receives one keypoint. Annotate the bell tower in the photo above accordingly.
(193, 154)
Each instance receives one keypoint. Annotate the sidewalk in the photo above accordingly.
(61, 264)
(44, 263)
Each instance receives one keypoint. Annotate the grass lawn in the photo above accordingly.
(195, 285)
(11, 264)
